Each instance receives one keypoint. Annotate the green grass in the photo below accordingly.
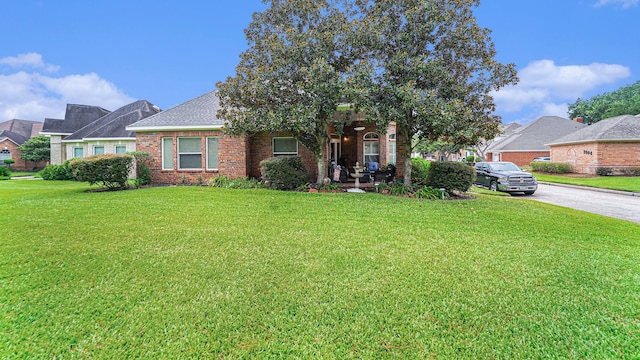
(623, 183)
(186, 272)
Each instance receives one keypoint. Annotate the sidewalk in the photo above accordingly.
(610, 191)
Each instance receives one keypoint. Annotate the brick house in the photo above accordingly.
(91, 130)
(186, 144)
(613, 143)
(527, 142)
(14, 133)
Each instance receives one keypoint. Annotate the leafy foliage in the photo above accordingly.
(143, 173)
(632, 171)
(434, 70)
(551, 167)
(604, 171)
(292, 77)
(36, 149)
(57, 172)
(110, 171)
(5, 173)
(451, 176)
(227, 182)
(624, 101)
(284, 173)
(419, 170)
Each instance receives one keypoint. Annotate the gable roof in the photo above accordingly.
(619, 128)
(25, 128)
(75, 118)
(12, 136)
(113, 125)
(536, 135)
(198, 113)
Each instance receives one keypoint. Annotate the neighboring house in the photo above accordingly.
(527, 142)
(91, 130)
(612, 143)
(14, 133)
(187, 144)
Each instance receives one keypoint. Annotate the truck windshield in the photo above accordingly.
(504, 167)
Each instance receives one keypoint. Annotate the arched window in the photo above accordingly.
(4, 154)
(371, 147)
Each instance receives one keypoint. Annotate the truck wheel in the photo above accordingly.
(493, 185)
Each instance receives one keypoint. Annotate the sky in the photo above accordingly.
(109, 53)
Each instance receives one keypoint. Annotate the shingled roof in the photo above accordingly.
(619, 128)
(25, 128)
(76, 117)
(14, 137)
(536, 135)
(113, 125)
(197, 113)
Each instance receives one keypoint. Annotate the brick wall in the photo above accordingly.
(588, 157)
(522, 158)
(19, 165)
(261, 148)
(232, 160)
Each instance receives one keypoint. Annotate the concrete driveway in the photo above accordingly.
(614, 204)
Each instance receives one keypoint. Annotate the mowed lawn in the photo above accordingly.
(199, 272)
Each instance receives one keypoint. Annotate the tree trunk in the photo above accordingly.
(407, 164)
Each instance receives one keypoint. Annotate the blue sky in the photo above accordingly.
(110, 53)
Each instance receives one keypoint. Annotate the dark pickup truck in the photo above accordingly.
(506, 177)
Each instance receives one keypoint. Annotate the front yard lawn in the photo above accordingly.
(199, 272)
(623, 183)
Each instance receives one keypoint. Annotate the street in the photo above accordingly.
(614, 205)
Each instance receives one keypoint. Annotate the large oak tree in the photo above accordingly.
(434, 70)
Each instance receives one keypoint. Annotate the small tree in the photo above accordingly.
(36, 149)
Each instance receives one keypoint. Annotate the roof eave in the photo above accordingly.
(174, 128)
(594, 141)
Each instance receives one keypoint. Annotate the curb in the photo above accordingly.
(610, 191)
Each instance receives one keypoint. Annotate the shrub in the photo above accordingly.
(9, 161)
(223, 181)
(427, 192)
(450, 176)
(632, 171)
(604, 171)
(419, 170)
(284, 173)
(57, 172)
(551, 167)
(110, 171)
(143, 174)
(5, 174)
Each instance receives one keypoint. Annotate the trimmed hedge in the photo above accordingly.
(57, 172)
(110, 170)
(450, 176)
(5, 174)
(551, 167)
(419, 170)
(284, 173)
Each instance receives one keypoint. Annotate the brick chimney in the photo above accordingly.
(579, 120)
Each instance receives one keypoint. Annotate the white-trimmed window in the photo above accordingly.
(212, 153)
(167, 153)
(4, 154)
(392, 149)
(98, 150)
(121, 149)
(189, 153)
(78, 152)
(371, 147)
(285, 146)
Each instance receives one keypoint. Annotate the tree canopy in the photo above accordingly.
(624, 101)
(434, 69)
(423, 64)
(293, 75)
(36, 149)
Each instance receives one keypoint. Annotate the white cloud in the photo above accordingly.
(543, 84)
(30, 95)
(33, 60)
(625, 3)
